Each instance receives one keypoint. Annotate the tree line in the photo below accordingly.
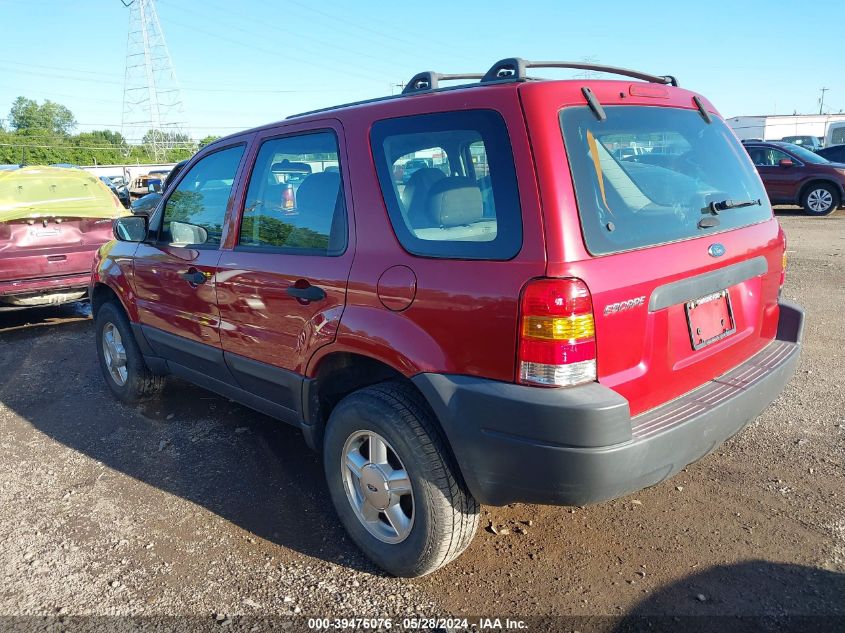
(42, 134)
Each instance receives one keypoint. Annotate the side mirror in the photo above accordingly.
(785, 162)
(130, 228)
(183, 233)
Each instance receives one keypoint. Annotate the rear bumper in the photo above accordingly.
(579, 445)
(45, 291)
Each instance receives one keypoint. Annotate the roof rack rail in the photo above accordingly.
(513, 69)
(430, 80)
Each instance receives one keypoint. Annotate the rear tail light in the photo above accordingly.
(288, 201)
(557, 344)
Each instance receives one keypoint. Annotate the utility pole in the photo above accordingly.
(821, 100)
(152, 100)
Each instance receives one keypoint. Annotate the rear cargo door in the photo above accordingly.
(677, 245)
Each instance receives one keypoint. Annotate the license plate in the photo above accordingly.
(710, 319)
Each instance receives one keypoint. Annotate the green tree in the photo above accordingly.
(27, 116)
(208, 140)
(40, 134)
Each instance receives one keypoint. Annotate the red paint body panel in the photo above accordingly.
(647, 356)
(259, 320)
(48, 257)
(166, 301)
(464, 315)
(466, 310)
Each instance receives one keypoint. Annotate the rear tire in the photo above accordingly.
(820, 199)
(437, 515)
(121, 361)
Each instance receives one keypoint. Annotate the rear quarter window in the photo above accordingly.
(449, 184)
(648, 175)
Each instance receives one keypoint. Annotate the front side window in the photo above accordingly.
(767, 156)
(449, 183)
(295, 201)
(195, 211)
(649, 175)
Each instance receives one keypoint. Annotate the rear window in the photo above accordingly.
(449, 183)
(648, 175)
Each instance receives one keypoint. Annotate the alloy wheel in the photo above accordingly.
(377, 486)
(114, 354)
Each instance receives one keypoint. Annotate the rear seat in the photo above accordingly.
(455, 211)
(415, 195)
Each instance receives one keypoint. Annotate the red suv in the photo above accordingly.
(528, 318)
(795, 175)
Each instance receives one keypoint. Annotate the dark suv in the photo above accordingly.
(535, 317)
(794, 175)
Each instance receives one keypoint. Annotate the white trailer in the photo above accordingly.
(773, 127)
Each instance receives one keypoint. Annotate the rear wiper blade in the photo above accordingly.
(723, 205)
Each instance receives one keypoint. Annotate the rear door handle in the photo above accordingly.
(306, 293)
(194, 277)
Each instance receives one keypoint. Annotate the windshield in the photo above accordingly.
(807, 156)
(648, 175)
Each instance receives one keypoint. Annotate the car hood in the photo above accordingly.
(41, 192)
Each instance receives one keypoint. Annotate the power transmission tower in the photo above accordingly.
(588, 74)
(153, 110)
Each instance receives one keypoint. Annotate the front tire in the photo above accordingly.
(394, 483)
(820, 199)
(121, 361)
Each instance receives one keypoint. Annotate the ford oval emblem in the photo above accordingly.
(716, 250)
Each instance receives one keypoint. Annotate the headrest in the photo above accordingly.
(420, 180)
(455, 201)
(318, 193)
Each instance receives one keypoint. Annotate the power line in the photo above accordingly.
(273, 53)
(11, 66)
(292, 33)
(113, 148)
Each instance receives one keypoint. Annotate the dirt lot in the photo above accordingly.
(197, 506)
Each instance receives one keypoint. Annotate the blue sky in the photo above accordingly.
(249, 62)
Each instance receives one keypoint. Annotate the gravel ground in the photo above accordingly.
(195, 506)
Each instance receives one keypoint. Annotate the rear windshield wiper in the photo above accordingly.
(723, 205)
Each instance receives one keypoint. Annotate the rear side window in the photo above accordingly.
(195, 211)
(449, 184)
(295, 202)
(648, 175)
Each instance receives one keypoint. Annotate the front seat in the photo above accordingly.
(320, 208)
